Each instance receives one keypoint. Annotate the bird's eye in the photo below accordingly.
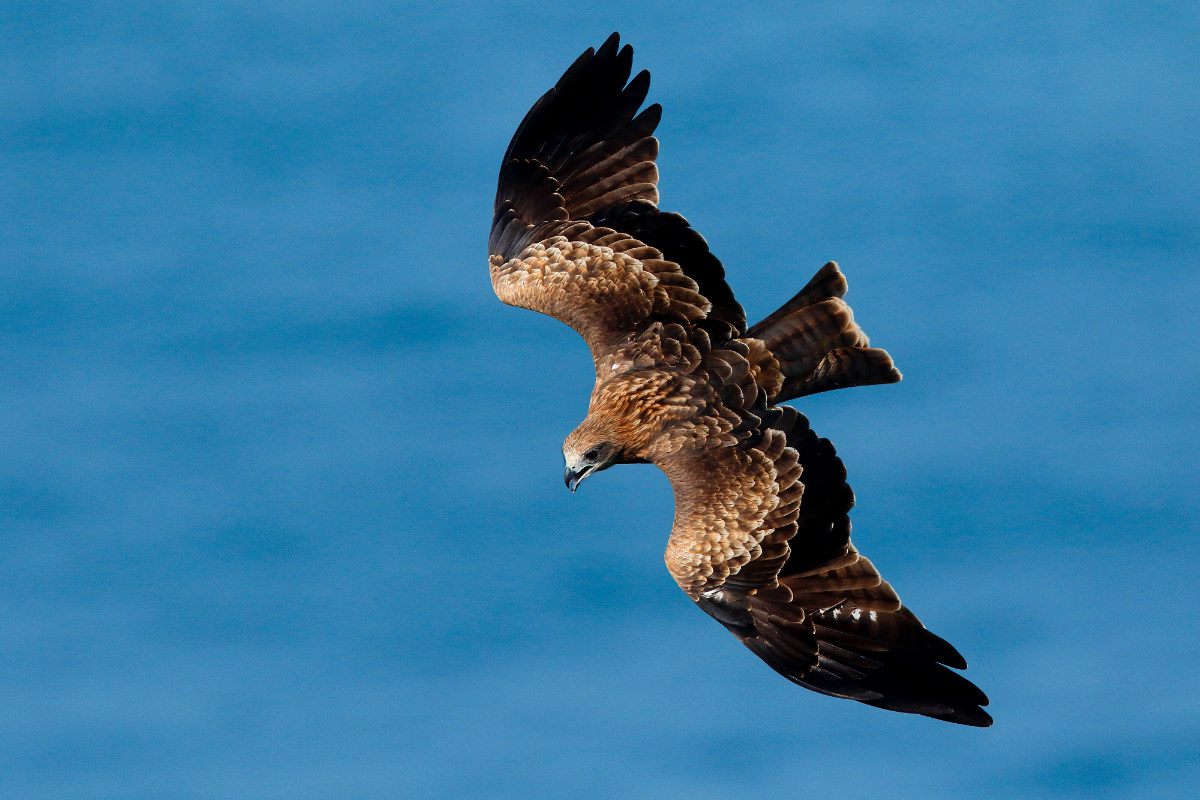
(592, 455)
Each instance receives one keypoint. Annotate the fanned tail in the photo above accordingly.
(818, 344)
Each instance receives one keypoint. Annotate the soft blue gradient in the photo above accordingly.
(281, 506)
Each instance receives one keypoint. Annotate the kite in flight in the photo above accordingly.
(761, 539)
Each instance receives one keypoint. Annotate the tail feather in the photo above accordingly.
(828, 282)
(841, 368)
(818, 344)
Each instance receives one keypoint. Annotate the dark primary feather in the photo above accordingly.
(581, 148)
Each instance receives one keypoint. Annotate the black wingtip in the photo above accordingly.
(974, 717)
(588, 121)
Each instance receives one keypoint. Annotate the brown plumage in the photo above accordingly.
(761, 539)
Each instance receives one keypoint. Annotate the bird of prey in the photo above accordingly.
(761, 538)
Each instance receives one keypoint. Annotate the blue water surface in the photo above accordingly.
(281, 506)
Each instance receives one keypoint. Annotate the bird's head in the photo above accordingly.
(586, 451)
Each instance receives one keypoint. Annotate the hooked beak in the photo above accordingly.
(572, 478)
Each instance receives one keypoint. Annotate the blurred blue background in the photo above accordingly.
(280, 483)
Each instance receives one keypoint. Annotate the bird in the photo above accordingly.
(761, 533)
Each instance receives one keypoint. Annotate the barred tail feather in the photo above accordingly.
(818, 344)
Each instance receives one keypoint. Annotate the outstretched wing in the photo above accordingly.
(577, 233)
(761, 542)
